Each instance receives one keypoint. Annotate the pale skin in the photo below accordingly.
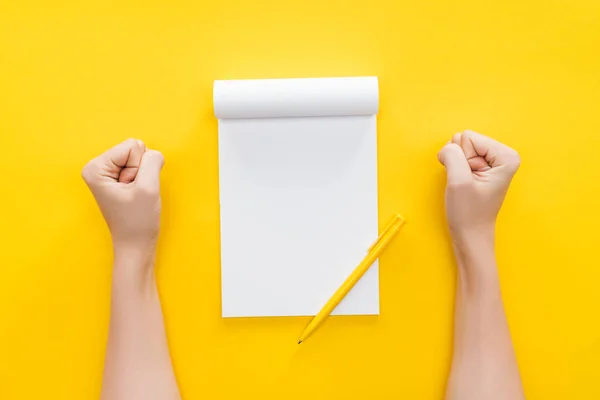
(479, 172)
(125, 183)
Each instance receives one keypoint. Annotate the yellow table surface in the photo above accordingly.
(77, 77)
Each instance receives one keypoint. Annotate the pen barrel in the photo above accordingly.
(375, 250)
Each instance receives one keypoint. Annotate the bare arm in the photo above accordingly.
(125, 183)
(484, 366)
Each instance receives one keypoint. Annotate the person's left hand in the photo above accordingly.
(125, 182)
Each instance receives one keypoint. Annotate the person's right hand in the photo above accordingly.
(125, 182)
(479, 171)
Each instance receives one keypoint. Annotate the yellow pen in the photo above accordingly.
(388, 233)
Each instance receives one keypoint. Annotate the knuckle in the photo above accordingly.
(517, 157)
(513, 158)
(450, 150)
(440, 156)
(87, 172)
(128, 143)
(157, 156)
(448, 147)
(453, 147)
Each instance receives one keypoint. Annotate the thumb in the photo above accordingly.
(148, 175)
(495, 153)
(457, 167)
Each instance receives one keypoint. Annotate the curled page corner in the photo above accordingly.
(299, 97)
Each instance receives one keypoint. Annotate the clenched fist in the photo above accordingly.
(479, 171)
(125, 182)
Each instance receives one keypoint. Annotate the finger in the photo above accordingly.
(476, 162)
(130, 170)
(495, 153)
(124, 155)
(457, 168)
(456, 138)
(109, 164)
(149, 171)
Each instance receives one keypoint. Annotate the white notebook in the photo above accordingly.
(298, 193)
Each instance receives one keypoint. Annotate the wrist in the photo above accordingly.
(475, 255)
(129, 242)
(133, 262)
(468, 238)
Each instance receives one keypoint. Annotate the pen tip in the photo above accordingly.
(299, 341)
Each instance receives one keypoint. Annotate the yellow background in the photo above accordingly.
(77, 77)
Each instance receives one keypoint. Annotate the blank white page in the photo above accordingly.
(298, 195)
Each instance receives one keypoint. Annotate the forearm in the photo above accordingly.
(484, 365)
(137, 362)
